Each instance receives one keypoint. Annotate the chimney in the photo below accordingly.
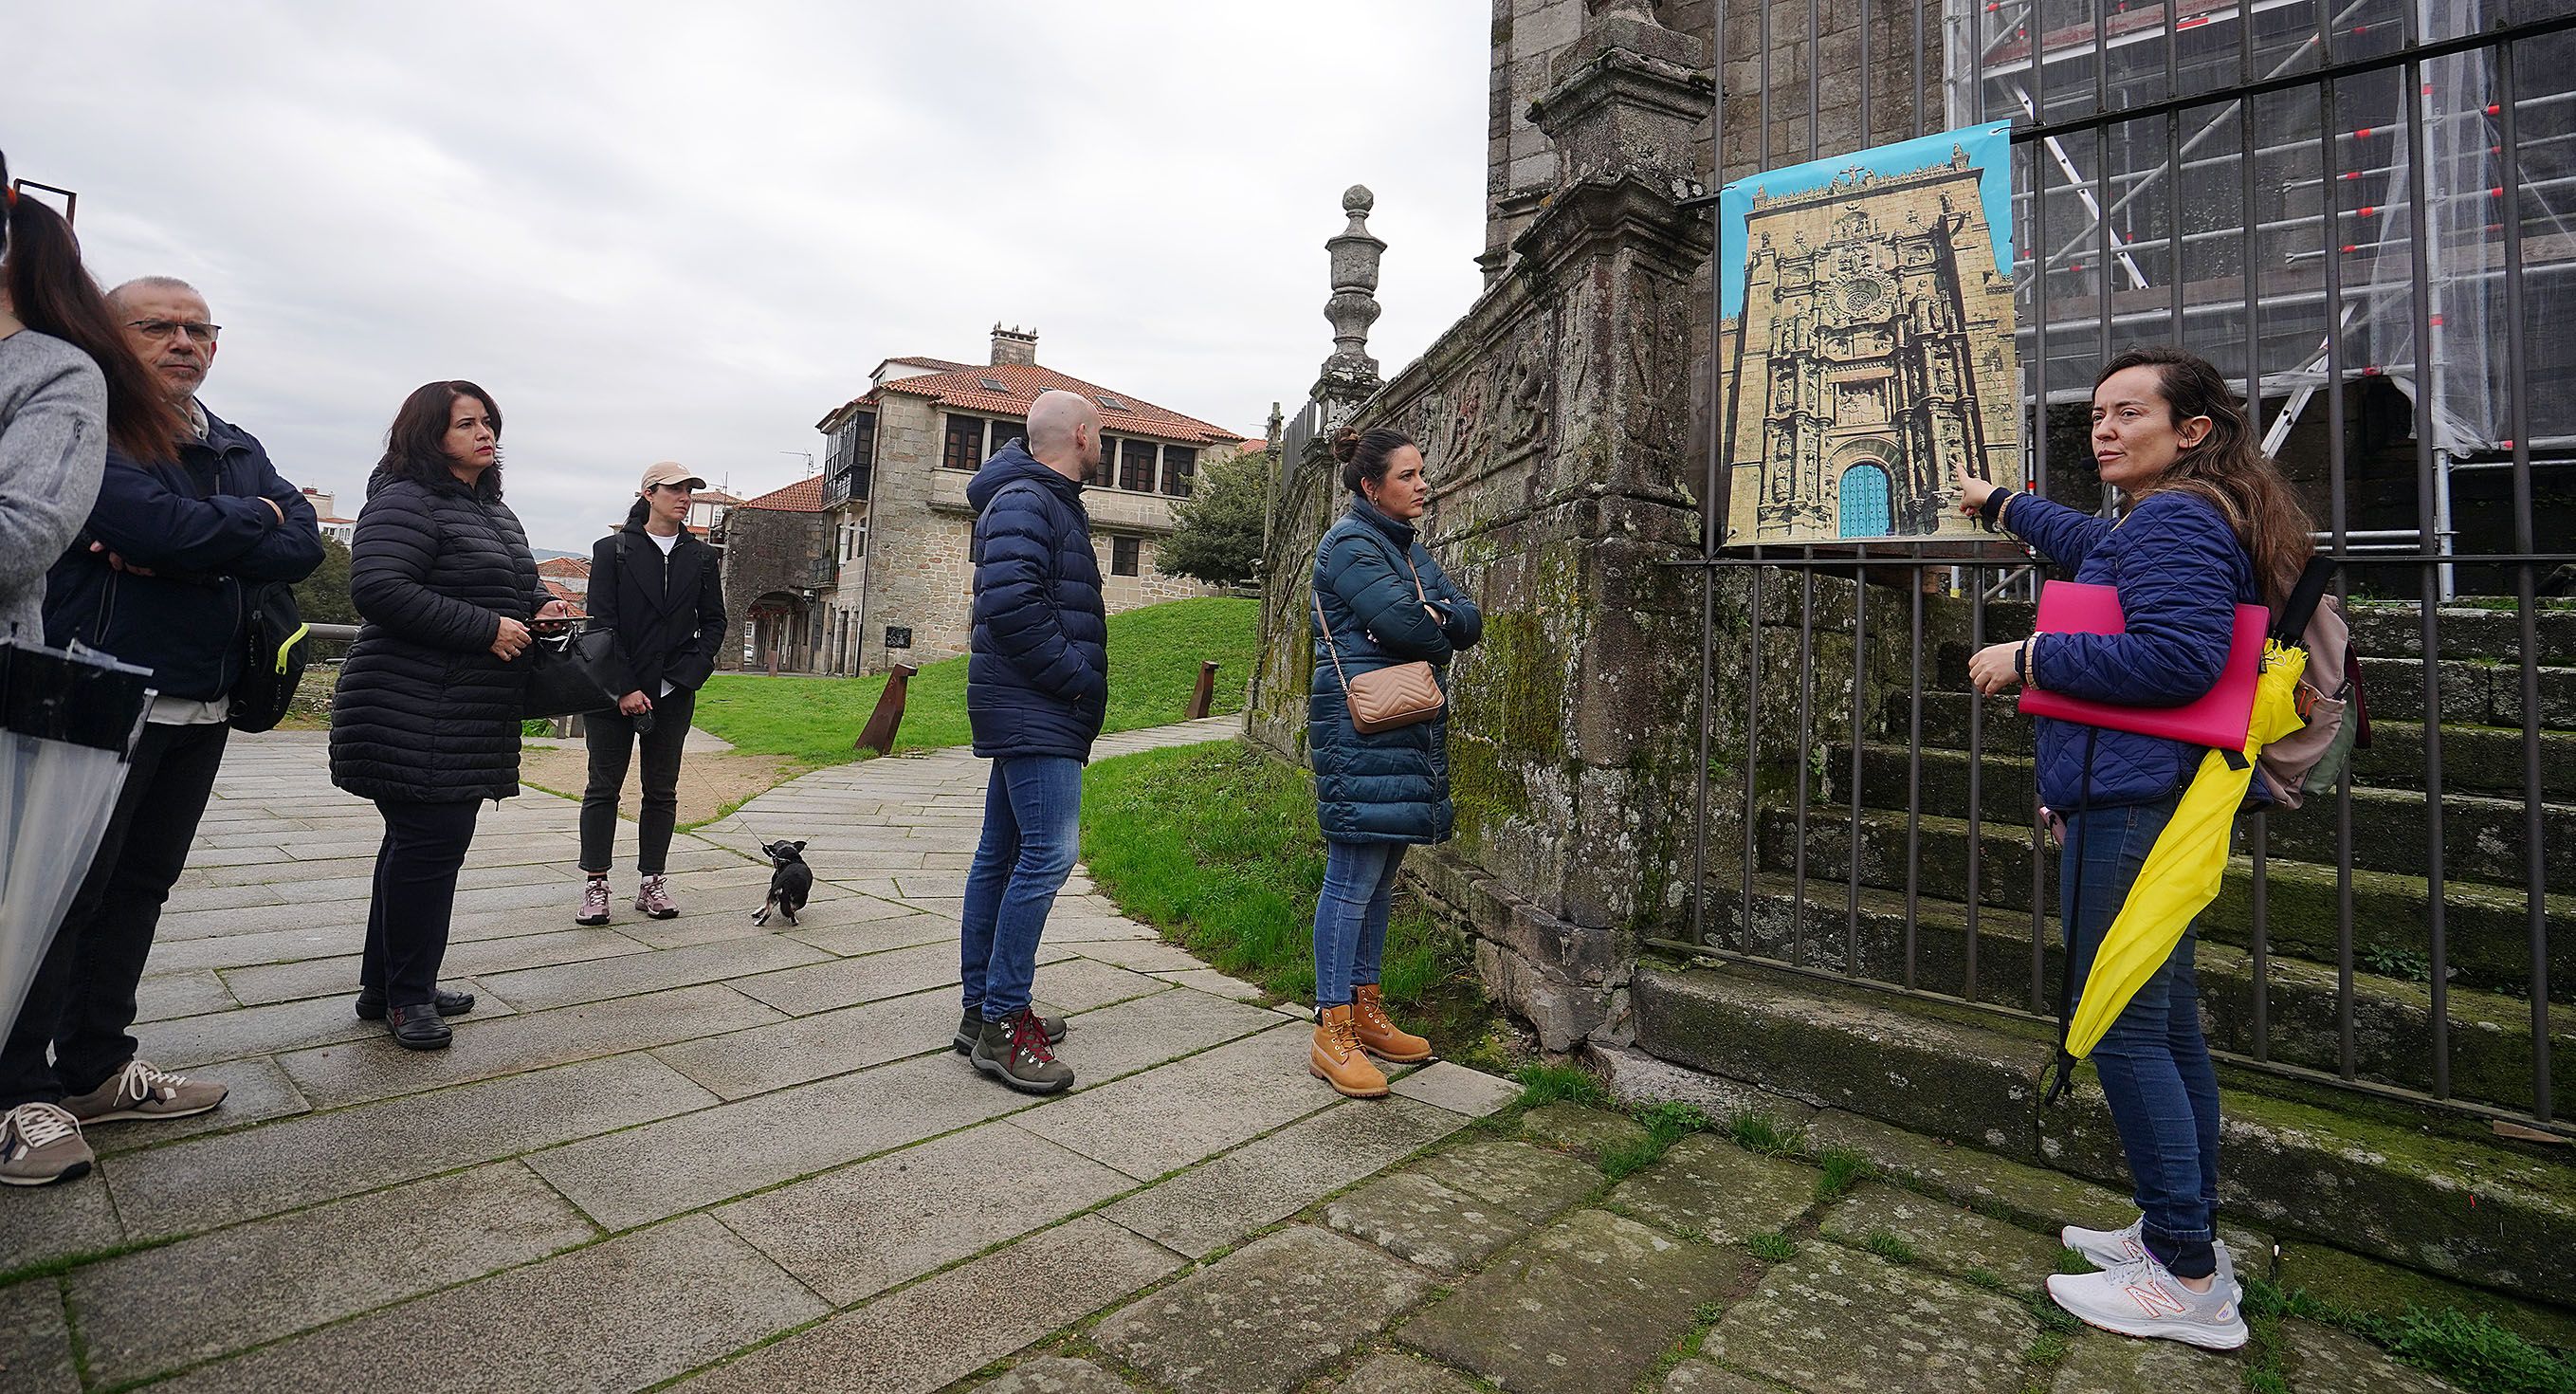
(1014, 345)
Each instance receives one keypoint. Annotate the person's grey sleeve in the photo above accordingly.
(52, 449)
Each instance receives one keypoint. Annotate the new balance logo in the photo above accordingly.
(2155, 1300)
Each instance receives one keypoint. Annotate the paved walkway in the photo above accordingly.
(656, 1145)
(695, 1154)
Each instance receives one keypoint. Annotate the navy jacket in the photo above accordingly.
(424, 712)
(1037, 678)
(200, 527)
(1390, 786)
(2181, 573)
(667, 612)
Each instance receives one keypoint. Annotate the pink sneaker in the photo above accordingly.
(594, 902)
(653, 898)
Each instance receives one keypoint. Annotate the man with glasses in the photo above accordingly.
(160, 578)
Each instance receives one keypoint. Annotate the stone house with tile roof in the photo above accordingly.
(781, 576)
(897, 461)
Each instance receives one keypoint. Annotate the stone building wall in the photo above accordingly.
(773, 552)
(919, 569)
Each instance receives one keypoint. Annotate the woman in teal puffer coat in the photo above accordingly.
(1379, 600)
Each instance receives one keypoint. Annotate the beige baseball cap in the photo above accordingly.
(670, 472)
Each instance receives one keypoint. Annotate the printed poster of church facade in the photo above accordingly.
(1867, 340)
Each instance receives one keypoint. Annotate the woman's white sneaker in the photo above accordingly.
(2141, 1299)
(2109, 1248)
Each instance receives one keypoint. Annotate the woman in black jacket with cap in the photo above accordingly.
(425, 721)
(660, 591)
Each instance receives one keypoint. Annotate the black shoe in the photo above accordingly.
(418, 1028)
(371, 1004)
(971, 1026)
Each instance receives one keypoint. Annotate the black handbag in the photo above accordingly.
(569, 674)
(274, 651)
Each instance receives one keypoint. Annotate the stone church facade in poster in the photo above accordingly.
(1875, 348)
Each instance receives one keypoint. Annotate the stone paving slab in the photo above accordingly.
(618, 1315)
(194, 1185)
(256, 1282)
(1835, 1319)
(800, 1049)
(2320, 1358)
(1701, 1377)
(1112, 1041)
(638, 1175)
(947, 1327)
(1390, 1373)
(1707, 1187)
(181, 994)
(1267, 1180)
(1172, 1115)
(1445, 1084)
(1579, 1129)
(853, 1233)
(1216, 984)
(1055, 1374)
(565, 985)
(39, 1225)
(1266, 1317)
(35, 1340)
(1080, 984)
(843, 982)
(1145, 956)
(901, 928)
(1414, 1217)
(1585, 1306)
(2098, 1362)
(1945, 1236)
(281, 1026)
(338, 976)
(486, 1048)
(1529, 1181)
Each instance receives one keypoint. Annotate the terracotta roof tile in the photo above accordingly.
(963, 389)
(565, 568)
(803, 496)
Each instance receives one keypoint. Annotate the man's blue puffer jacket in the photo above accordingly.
(1037, 680)
(2181, 573)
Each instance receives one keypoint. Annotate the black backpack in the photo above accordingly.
(274, 651)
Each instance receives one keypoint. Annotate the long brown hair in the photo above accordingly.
(416, 444)
(52, 293)
(2228, 467)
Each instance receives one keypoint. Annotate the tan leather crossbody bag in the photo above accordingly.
(1403, 694)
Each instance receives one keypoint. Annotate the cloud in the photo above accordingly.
(658, 230)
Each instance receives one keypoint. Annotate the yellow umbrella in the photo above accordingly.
(2181, 873)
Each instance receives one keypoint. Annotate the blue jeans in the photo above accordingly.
(1032, 826)
(2153, 1062)
(1350, 916)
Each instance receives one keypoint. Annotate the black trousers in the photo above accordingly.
(416, 868)
(82, 1001)
(612, 739)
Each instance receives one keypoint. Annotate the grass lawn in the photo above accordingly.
(1154, 656)
(1215, 845)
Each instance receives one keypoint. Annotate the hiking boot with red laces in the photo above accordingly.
(1014, 1051)
(594, 902)
(971, 1025)
(653, 899)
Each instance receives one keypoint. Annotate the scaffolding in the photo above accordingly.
(2328, 198)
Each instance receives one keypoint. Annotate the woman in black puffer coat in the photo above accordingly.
(426, 718)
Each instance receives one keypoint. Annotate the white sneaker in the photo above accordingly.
(2109, 1248)
(2142, 1299)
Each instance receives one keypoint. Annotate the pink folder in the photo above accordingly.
(2219, 720)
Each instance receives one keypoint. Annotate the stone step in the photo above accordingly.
(2482, 837)
(2395, 629)
(2486, 930)
(2490, 1034)
(2479, 759)
(2419, 1187)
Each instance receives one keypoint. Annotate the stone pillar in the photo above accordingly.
(1350, 375)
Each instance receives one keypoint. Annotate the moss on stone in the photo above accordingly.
(2367, 1286)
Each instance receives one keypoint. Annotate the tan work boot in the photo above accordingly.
(1377, 1032)
(1337, 1060)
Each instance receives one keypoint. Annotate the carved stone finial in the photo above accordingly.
(1353, 306)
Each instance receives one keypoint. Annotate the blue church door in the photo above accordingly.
(1864, 495)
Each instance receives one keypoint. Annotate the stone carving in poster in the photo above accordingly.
(1866, 340)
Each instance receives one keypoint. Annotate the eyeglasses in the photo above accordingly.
(160, 329)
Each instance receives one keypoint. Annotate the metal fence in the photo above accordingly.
(2359, 206)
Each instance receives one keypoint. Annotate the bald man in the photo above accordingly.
(1037, 686)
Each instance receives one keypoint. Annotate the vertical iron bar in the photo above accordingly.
(2039, 300)
(1914, 61)
(2249, 283)
(1914, 781)
(1815, 88)
(2518, 389)
(1752, 742)
(2173, 176)
(1859, 740)
(2419, 289)
(1976, 785)
(2328, 204)
(1713, 523)
(1803, 750)
(1868, 137)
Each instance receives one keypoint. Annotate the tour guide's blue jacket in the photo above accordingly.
(2181, 573)
(1037, 680)
(200, 528)
(1389, 786)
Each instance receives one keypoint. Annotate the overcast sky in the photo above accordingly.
(656, 230)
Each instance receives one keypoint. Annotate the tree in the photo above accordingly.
(1217, 536)
(323, 597)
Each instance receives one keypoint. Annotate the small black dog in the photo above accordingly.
(789, 885)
